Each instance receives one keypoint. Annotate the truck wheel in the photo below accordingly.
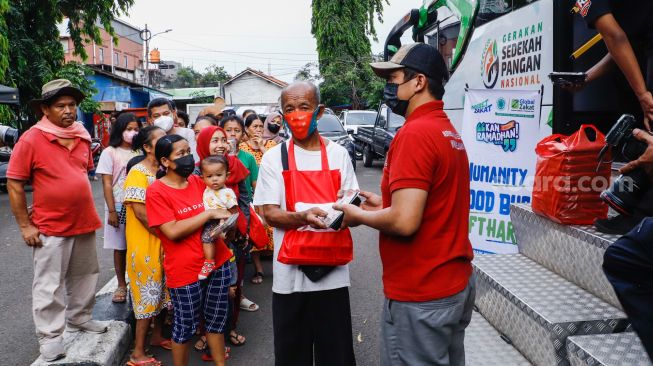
(368, 159)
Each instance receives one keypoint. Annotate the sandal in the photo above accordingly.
(236, 339)
(201, 345)
(165, 344)
(258, 278)
(120, 295)
(206, 356)
(149, 362)
(247, 305)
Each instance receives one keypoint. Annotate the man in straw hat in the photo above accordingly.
(54, 155)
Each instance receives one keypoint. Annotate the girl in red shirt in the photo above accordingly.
(175, 209)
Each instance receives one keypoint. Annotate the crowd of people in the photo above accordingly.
(183, 205)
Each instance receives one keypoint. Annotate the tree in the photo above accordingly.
(78, 76)
(187, 77)
(34, 52)
(306, 73)
(214, 75)
(341, 29)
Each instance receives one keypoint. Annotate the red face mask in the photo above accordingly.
(301, 124)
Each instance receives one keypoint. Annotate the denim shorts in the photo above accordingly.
(209, 297)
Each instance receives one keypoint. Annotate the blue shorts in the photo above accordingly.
(210, 297)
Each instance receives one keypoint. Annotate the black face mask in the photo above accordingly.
(185, 166)
(273, 128)
(396, 105)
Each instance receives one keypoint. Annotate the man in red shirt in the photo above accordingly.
(423, 218)
(55, 156)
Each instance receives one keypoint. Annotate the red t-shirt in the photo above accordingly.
(183, 259)
(62, 201)
(428, 154)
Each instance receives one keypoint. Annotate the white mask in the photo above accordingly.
(164, 122)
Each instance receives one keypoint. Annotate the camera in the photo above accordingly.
(9, 136)
(627, 190)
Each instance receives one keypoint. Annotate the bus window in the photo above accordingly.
(491, 9)
(516, 4)
(445, 41)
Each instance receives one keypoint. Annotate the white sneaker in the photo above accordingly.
(52, 351)
(91, 326)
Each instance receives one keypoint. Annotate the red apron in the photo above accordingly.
(306, 189)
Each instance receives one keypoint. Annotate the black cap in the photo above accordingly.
(420, 57)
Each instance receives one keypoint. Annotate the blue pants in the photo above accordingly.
(628, 265)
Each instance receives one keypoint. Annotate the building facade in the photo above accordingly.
(124, 59)
(254, 88)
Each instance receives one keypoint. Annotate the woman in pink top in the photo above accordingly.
(112, 167)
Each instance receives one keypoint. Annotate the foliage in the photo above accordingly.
(77, 74)
(86, 15)
(306, 73)
(201, 97)
(214, 75)
(341, 29)
(187, 77)
(35, 54)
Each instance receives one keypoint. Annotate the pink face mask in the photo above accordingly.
(128, 136)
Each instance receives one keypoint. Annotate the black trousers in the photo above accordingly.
(628, 264)
(313, 324)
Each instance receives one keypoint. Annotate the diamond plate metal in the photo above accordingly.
(484, 346)
(608, 350)
(537, 309)
(574, 252)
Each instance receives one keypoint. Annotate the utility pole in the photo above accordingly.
(146, 35)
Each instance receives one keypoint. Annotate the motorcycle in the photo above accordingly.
(96, 150)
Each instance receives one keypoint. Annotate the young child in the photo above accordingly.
(215, 170)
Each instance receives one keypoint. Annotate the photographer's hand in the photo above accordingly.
(646, 160)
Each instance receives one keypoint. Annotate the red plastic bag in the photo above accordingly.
(258, 235)
(567, 184)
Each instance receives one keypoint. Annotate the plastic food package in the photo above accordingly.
(258, 235)
(569, 177)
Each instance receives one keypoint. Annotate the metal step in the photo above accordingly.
(485, 347)
(537, 309)
(574, 252)
(607, 350)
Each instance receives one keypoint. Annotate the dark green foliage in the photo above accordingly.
(35, 55)
(342, 30)
(187, 77)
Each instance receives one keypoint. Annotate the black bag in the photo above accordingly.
(314, 273)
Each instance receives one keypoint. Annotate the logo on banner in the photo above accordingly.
(501, 104)
(482, 107)
(583, 7)
(490, 64)
(522, 105)
(504, 135)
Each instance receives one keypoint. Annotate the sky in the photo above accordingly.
(268, 35)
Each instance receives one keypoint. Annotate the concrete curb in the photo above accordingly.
(107, 349)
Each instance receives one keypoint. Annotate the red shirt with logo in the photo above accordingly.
(62, 201)
(428, 154)
(183, 259)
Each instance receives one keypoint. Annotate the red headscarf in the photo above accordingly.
(237, 171)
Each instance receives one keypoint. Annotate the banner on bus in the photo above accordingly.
(500, 130)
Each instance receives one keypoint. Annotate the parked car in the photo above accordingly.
(375, 141)
(352, 120)
(330, 127)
